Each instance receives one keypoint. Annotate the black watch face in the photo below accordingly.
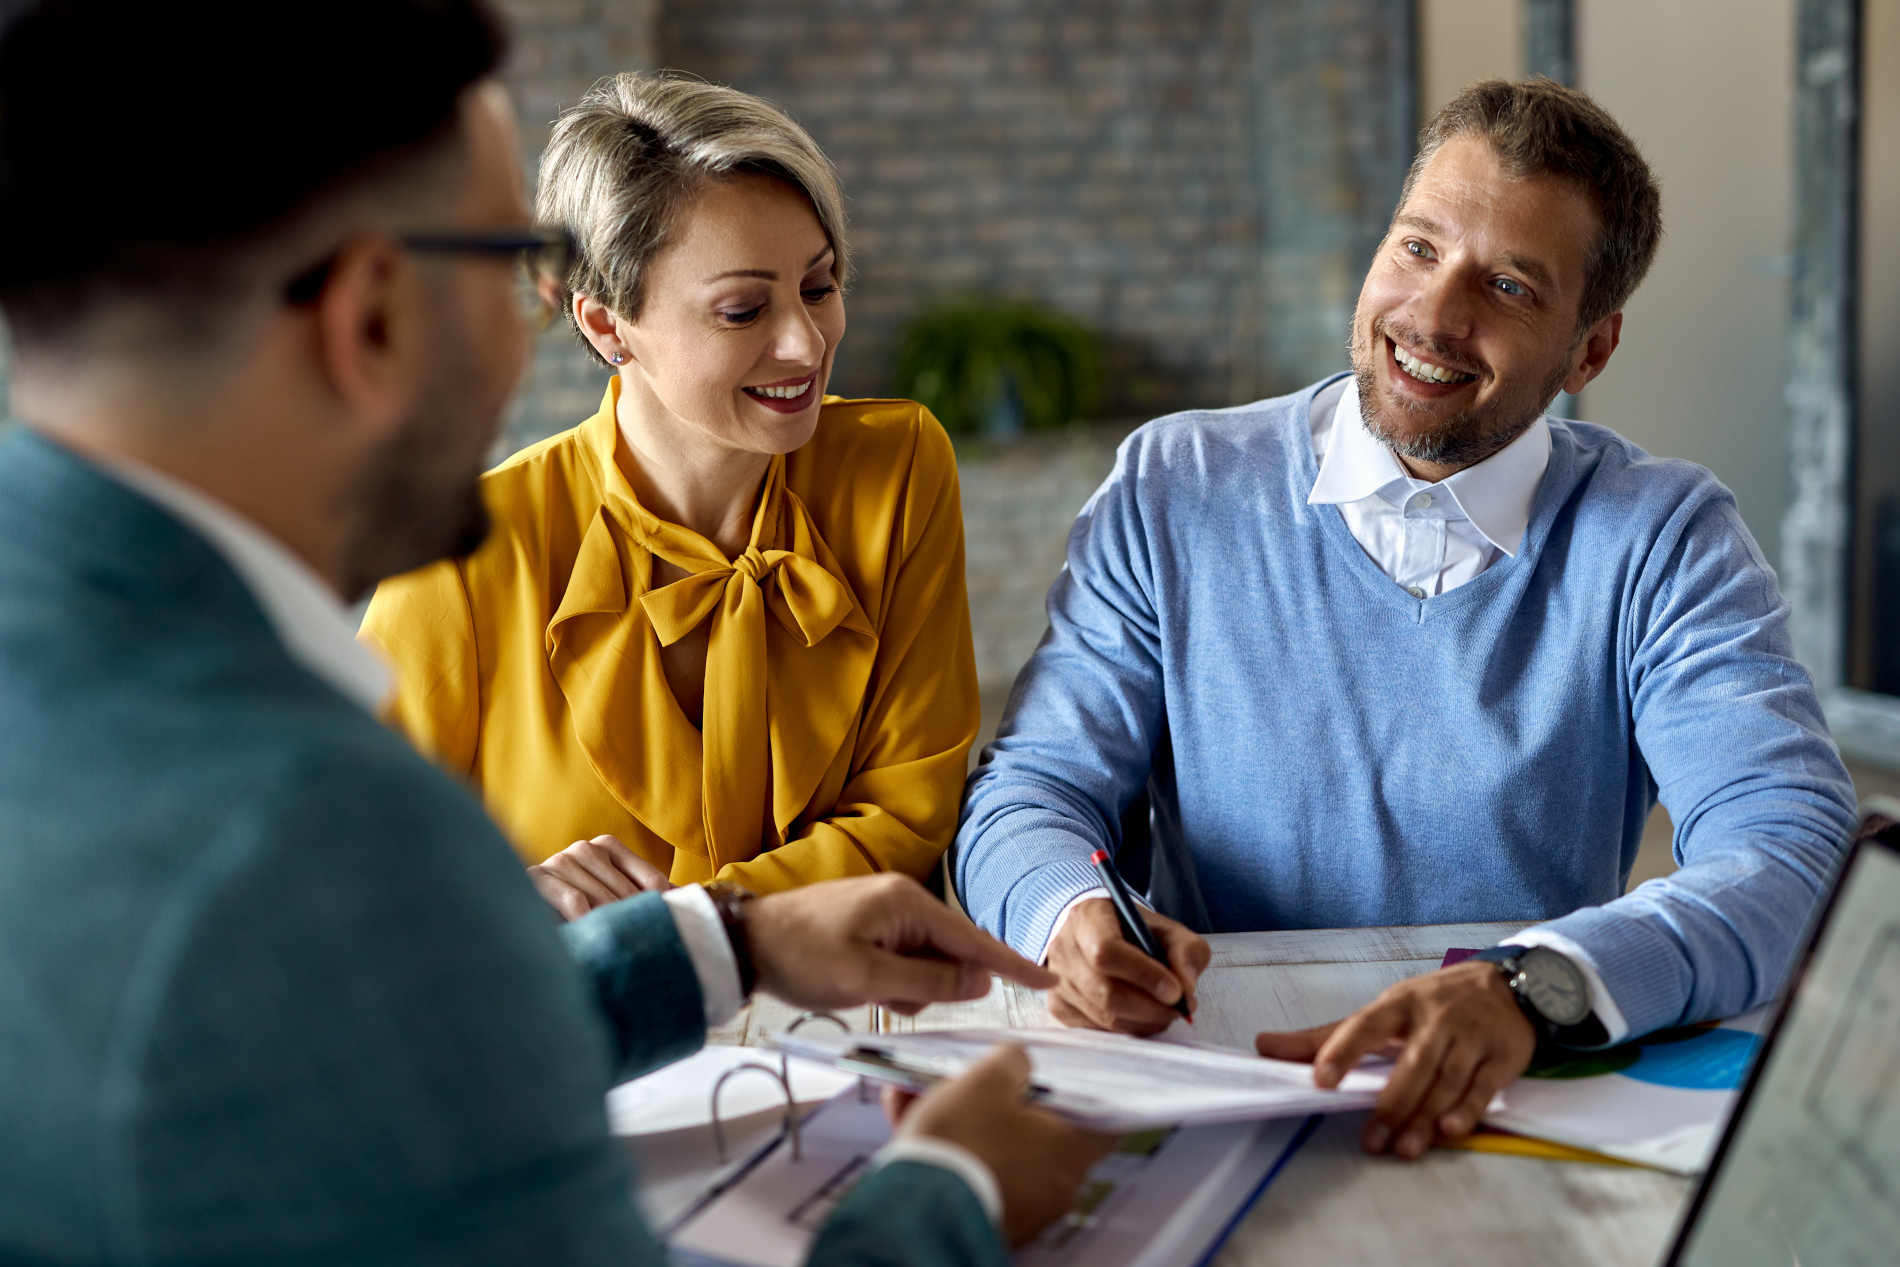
(1554, 986)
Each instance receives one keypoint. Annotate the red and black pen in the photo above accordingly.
(1134, 928)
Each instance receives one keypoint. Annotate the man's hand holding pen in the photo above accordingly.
(1109, 983)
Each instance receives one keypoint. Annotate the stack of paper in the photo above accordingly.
(1109, 1081)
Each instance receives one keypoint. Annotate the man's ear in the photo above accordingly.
(1593, 351)
(368, 328)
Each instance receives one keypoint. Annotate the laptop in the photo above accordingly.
(1807, 1170)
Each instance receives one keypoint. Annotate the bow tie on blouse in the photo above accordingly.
(787, 578)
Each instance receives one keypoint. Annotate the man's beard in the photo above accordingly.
(409, 507)
(1464, 439)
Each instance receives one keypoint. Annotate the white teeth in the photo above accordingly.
(783, 393)
(1425, 370)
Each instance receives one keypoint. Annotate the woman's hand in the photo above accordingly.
(590, 873)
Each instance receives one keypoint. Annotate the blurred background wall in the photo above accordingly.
(1198, 180)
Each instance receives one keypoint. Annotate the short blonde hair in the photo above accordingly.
(628, 158)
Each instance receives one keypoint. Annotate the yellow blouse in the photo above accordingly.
(840, 695)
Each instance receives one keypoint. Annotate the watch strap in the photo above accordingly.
(730, 901)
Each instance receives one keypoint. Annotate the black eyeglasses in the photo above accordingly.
(544, 257)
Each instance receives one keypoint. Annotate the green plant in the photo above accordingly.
(995, 366)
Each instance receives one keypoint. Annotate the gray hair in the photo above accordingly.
(626, 160)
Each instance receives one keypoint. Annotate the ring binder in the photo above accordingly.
(781, 1075)
(791, 1116)
(785, 1061)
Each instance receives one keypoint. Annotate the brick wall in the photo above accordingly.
(560, 47)
(1091, 155)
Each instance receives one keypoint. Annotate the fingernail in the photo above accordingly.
(1376, 1136)
(1326, 1075)
(1453, 1124)
(1412, 1145)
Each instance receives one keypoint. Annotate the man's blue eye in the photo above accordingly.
(1509, 287)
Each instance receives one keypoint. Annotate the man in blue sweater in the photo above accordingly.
(1399, 649)
(273, 990)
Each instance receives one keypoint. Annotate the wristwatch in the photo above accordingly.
(1551, 992)
(730, 901)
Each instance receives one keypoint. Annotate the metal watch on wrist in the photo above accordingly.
(1551, 992)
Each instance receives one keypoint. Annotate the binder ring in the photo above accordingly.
(791, 1116)
(785, 1062)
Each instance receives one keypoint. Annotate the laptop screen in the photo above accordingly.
(1808, 1170)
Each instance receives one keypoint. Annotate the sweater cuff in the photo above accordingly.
(1642, 968)
(1037, 902)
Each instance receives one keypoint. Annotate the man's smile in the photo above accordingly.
(1423, 371)
(1426, 371)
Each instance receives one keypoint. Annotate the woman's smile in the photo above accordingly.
(787, 397)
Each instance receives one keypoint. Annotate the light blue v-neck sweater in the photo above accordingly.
(1323, 750)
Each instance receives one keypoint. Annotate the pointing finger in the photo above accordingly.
(1365, 1031)
(956, 937)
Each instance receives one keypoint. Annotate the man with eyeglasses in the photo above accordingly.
(272, 989)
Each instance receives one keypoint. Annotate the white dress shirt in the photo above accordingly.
(318, 631)
(1429, 538)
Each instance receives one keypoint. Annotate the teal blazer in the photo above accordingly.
(272, 989)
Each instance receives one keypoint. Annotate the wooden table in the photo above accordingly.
(1333, 1204)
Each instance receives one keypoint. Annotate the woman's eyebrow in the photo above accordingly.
(766, 273)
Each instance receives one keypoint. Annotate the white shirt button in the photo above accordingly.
(1416, 591)
(1421, 501)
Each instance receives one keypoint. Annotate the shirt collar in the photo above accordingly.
(313, 624)
(1495, 494)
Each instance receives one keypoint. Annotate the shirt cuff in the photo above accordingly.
(1600, 1001)
(704, 934)
(954, 1158)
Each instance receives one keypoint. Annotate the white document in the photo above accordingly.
(1165, 1198)
(1108, 1081)
(679, 1095)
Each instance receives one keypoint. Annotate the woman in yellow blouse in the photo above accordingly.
(720, 629)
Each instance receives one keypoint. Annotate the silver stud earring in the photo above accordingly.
(618, 358)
